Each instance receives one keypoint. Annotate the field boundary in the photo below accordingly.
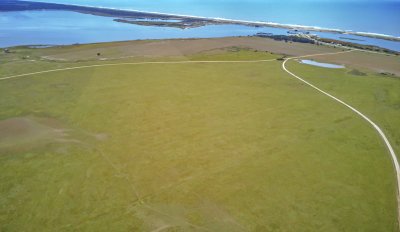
(395, 161)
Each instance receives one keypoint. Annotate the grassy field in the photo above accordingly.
(196, 147)
(376, 95)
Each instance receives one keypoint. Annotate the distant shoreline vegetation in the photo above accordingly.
(317, 41)
(180, 21)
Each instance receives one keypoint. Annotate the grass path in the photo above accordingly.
(136, 63)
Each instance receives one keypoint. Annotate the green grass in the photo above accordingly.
(218, 147)
(375, 95)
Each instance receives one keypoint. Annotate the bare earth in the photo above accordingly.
(28, 131)
(184, 47)
(181, 48)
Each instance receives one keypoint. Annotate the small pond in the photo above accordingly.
(324, 65)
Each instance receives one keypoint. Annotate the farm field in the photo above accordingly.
(195, 146)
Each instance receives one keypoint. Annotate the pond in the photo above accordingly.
(319, 64)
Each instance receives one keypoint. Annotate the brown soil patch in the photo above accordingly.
(181, 47)
(22, 133)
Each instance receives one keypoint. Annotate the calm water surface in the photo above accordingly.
(64, 27)
(319, 64)
(378, 16)
(61, 27)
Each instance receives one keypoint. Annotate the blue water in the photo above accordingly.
(378, 16)
(61, 27)
(319, 64)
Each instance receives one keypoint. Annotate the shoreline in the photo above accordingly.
(123, 16)
(284, 38)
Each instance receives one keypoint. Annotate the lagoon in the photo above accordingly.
(356, 15)
(65, 27)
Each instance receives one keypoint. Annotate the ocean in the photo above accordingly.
(378, 16)
(49, 27)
